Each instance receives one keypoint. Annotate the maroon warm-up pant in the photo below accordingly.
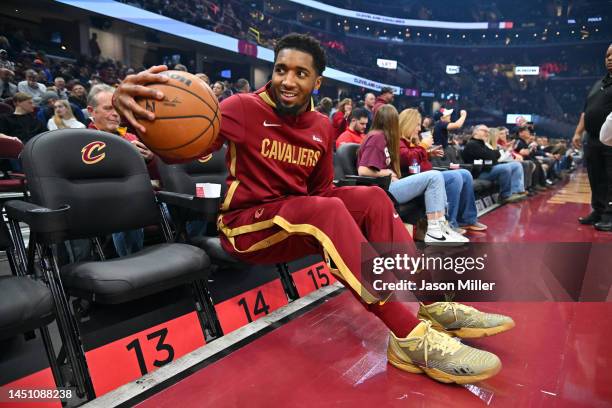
(340, 222)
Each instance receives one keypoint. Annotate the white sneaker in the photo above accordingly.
(440, 233)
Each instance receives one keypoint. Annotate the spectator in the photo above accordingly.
(78, 96)
(7, 88)
(5, 62)
(21, 123)
(379, 156)
(94, 47)
(368, 103)
(60, 87)
(325, 106)
(527, 149)
(440, 133)
(340, 119)
(47, 108)
(63, 117)
(203, 77)
(44, 74)
(386, 97)
(242, 86)
(498, 139)
(180, 67)
(509, 176)
(356, 128)
(218, 89)
(31, 87)
(462, 213)
(105, 117)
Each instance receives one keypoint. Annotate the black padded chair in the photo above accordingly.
(452, 155)
(26, 304)
(346, 156)
(84, 184)
(182, 178)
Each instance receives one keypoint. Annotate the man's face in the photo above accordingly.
(78, 90)
(609, 59)
(359, 125)
(293, 81)
(31, 78)
(51, 102)
(60, 83)
(388, 97)
(104, 116)
(369, 100)
(525, 135)
(27, 106)
(482, 133)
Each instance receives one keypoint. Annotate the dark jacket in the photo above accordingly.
(477, 150)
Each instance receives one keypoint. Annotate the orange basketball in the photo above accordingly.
(187, 121)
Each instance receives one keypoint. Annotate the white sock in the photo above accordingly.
(433, 228)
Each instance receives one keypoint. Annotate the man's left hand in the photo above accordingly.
(146, 154)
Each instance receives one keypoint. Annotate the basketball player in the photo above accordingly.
(281, 204)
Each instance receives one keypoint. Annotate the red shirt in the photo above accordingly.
(378, 102)
(410, 152)
(271, 157)
(349, 136)
(340, 123)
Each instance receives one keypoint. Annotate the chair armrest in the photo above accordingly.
(50, 226)
(382, 182)
(345, 182)
(206, 208)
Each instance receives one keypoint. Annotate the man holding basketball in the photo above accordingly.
(281, 204)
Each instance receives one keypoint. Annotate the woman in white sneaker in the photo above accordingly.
(379, 157)
(63, 117)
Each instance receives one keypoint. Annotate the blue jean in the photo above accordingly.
(128, 242)
(461, 201)
(430, 183)
(508, 175)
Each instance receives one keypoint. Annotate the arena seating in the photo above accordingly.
(346, 156)
(182, 178)
(69, 184)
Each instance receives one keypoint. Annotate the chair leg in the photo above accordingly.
(68, 326)
(287, 281)
(206, 311)
(53, 360)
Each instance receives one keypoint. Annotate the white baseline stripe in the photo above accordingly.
(133, 389)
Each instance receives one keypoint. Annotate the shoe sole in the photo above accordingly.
(474, 228)
(474, 333)
(438, 375)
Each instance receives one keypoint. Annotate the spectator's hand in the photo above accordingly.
(524, 152)
(577, 141)
(437, 152)
(519, 158)
(133, 86)
(144, 151)
(463, 112)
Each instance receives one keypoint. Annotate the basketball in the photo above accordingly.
(187, 121)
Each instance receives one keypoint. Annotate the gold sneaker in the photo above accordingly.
(440, 356)
(456, 319)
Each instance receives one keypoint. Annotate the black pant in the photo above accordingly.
(598, 159)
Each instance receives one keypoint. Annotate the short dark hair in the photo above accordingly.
(358, 114)
(386, 89)
(304, 43)
(241, 83)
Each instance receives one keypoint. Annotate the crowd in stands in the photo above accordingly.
(484, 80)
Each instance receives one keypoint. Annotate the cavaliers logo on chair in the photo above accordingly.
(92, 152)
(204, 159)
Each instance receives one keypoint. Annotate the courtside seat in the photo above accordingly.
(84, 184)
(346, 157)
(25, 304)
(182, 178)
(151, 270)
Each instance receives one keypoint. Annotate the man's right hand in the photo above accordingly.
(132, 87)
(577, 141)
